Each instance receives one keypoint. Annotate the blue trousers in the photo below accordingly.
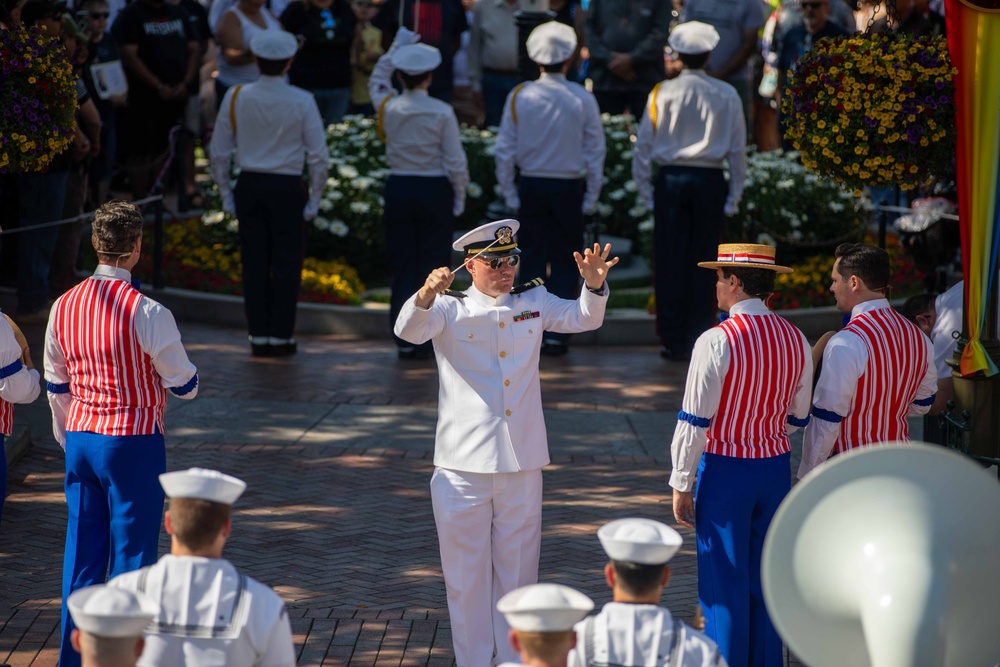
(418, 226)
(734, 502)
(551, 231)
(688, 207)
(115, 504)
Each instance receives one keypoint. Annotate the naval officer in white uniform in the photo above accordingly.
(211, 615)
(634, 630)
(541, 618)
(491, 444)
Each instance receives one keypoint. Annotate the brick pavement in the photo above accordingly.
(335, 444)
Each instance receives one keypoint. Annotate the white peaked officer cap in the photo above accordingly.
(274, 45)
(544, 608)
(693, 37)
(494, 239)
(416, 59)
(202, 484)
(110, 612)
(642, 541)
(551, 43)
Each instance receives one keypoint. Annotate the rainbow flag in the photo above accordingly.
(974, 45)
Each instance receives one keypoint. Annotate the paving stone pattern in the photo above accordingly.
(336, 446)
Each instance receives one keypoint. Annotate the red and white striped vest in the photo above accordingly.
(6, 418)
(115, 389)
(897, 362)
(766, 362)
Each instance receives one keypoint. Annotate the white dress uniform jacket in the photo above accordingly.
(551, 128)
(641, 635)
(698, 123)
(489, 402)
(210, 615)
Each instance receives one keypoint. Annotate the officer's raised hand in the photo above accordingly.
(594, 265)
(437, 282)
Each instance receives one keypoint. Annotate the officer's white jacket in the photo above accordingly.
(210, 615)
(641, 635)
(489, 401)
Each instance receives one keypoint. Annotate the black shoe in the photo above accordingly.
(260, 349)
(284, 349)
(554, 348)
(671, 355)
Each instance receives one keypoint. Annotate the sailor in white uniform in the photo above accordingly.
(541, 619)
(634, 630)
(491, 444)
(210, 614)
(109, 625)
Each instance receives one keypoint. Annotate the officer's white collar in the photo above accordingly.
(108, 271)
(555, 76)
(486, 300)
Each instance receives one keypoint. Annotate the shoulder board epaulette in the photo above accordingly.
(537, 282)
(454, 293)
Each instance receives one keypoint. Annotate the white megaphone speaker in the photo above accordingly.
(888, 557)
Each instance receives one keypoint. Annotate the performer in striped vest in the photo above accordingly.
(748, 387)
(18, 384)
(876, 371)
(111, 354)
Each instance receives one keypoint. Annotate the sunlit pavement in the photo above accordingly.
(336, 445)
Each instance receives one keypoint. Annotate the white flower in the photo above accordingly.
(359, 207)
(630, 186)
(497, 190)
(616, 195)
(489, 150)
(637, 211)
(213, 218)
(796, 235)
(325, 205)
(647, 225)
(786, 184)
(835, 206)
(347, 171)
(626, 155)
(751, 206)
(334, 195)
(233, 225)
(332, 183)
(604, 210)
(338, 228)
(362, 183)
(321, 223)
(474, 190)
(765, 239)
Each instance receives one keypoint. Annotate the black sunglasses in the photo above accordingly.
(497, 262)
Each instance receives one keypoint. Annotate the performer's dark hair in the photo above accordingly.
(867, 262)
(918, 304)
(410, 81)
(554, 68)
(117, 224)
(756, 282)
(196, 522)
(693, 60)
(637, 578)
(270, 67)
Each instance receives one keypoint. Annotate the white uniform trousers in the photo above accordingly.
(490, 531)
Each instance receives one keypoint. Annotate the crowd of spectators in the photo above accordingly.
(152, 73)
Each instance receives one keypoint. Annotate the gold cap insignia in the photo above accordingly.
(504, 235)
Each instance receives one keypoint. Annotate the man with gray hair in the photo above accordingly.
(111, 355)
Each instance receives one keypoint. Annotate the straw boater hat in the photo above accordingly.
(745, 256)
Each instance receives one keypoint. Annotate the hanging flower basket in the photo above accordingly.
(37, 100)
(873, 110)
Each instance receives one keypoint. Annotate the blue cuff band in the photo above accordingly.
(186, 388)
(801, 423)
(925, 401)
(694, 420)
(10, 369)
(827, 415)
(57, 388)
